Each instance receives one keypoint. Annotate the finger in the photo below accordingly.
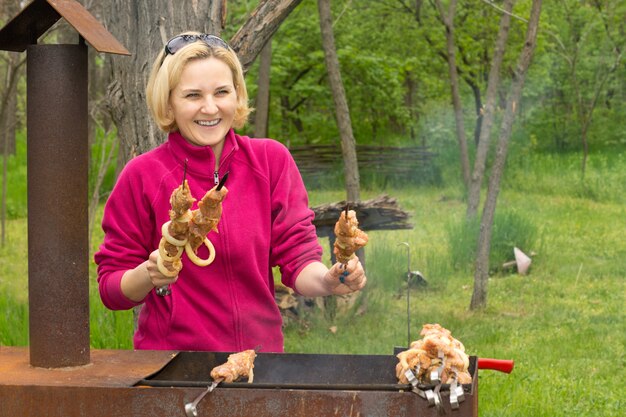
(157, 278)
(356, 279)
(337, 273)
(343, 276)
(353, 280)
(353, 270)
(359, 284)
(353, 263)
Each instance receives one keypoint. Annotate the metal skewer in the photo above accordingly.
(165, 289)
(220, 185)
(345, 272)
(191, 408)
(408, 293)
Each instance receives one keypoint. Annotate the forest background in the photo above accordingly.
(563, 192)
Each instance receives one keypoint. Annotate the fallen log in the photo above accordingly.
(380, 213)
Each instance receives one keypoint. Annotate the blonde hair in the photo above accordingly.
(166, 73)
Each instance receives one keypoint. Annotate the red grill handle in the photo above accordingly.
(496, 364)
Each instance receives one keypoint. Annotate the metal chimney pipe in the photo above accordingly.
(58, 244)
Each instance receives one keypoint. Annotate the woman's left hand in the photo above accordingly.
(346, 278)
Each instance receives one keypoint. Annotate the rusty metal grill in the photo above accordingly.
(290, 371)
(367, 381)
(153, 383)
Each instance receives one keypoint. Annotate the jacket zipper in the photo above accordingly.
(222, 162)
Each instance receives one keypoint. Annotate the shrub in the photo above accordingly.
(510, 229)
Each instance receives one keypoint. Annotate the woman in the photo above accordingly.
(197, 94)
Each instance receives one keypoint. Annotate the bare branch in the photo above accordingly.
(259, 28)
(346, 7)
(490, 3)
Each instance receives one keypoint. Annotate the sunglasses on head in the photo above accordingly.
(178, 42)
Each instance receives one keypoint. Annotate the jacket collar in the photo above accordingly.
(201, 159)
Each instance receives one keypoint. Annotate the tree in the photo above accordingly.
(488, 112)
(143, 27)
(467, 55)
(8, 120)
(600, 31)
(263, 92)
(481, 272)
(342, 112)
(344, 123)
(448, 20)
(11, 63)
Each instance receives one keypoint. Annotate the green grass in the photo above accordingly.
(16, 190)
(563, 324)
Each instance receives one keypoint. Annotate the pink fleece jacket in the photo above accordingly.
(266, 222)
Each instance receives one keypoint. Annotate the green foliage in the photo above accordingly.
(16, 198)
(14, 285)
(392, 63)
(17, 177)
(394, 72)
(14, 312)
(577, 75)
(108, 329)
(560, 174)
(462, 239)
(374, 74)
(510, 229)
(427, 174)
(104, 143)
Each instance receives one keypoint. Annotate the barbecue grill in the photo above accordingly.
(295, 384)
(153, 383)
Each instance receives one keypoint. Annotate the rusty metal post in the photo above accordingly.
(58, 245)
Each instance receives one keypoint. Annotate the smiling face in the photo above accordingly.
(204, 102)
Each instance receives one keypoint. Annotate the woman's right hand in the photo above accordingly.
(156, 277)
(137, 283)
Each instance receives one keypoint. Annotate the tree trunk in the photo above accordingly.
(481, 273)
(7, 127)
(262, 106)
(342, 112)
(348, 144)
(10, 118)
(488, 112)
(409, 100)
(585, 113)
(448, 19)
(8, 114)
(263, 22)
(3, 203)
(144, 27)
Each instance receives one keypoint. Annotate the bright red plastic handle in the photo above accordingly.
(496, 364)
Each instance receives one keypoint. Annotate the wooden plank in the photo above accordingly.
(89, 28)
(36, 18)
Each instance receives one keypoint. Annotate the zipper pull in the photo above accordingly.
(216, 177)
